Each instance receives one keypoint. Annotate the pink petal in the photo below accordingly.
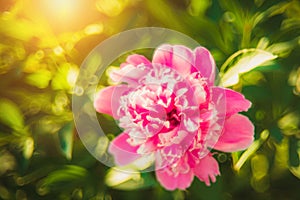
(205, 63)
(167, 180)
(235, 102)
(174, 145)
(171, 182)
(185, 180)
(136, 60)
(107, 99)
(177, 57)
(122, 151)
(237, 134)
(128, 74)
(149, 146)
(163, 55)
(207, 170)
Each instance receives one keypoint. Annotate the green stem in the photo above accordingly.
(251, 150)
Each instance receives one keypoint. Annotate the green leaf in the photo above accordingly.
(248, 60)
(197, 8)
(11, 115)
(60, 80)
(115, 177)
(28, 148)
(126, 180)
(272, 66)
(65, 135)
(39, 79)
(257, 94)
(276, 133)
(4, 192)
(60, 179)
(283, 49)
(293, 152)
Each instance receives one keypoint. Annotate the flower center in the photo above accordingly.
(173, 118)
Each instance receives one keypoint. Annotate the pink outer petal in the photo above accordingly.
(207, 170)
(205, 63)
(128, 74)
(107, 99)
(175, 148)
(233, 103)
(177, 57)
(237, 134)
(171, 182)
(122, 151)
(135, 60)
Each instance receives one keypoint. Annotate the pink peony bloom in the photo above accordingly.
(170, 108)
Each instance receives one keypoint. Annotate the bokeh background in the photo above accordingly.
(44, 42)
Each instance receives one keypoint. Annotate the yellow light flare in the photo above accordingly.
(53, 17)
(64, 9)
(58, 50)
(93, 29)
(72, 76)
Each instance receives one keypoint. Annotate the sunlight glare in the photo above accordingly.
(62, 8)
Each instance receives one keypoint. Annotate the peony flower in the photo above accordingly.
(170, 108)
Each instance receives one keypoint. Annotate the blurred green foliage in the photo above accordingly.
(43, 44)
